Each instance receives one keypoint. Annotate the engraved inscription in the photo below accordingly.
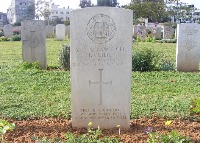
(34, 42)
(101, 28)
(100, 83)
(33, 25)
(189, 44)
(100, 56)
(101, 114)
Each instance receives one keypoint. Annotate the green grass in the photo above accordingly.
(37, 93)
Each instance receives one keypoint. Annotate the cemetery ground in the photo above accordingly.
(38, 101)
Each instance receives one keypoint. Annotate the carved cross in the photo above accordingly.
(100, 83)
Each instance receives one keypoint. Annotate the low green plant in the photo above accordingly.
(16, 38)
(64, 57)
(145, 60)
(166, 65)
(195, 108)
(149, 39)
(46, 140)
(26, 65)
(153, 39)
(92, 136)
(67, 22)
(172, 137)
(4, 127)
(2, 38)
(138, 38)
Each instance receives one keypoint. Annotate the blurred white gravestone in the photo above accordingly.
(158, 33)
(168, 32)
(60, 31)
(50, 31)
(188, 47)
(8, 31)
(101, 64)
(34, 42)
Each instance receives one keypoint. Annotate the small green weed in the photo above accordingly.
(16, 38)
(2, 38)
(26, 65)
(46, 140)
(64, 57)
(166, 65)
(4, 127)
(172, 137)
(144, 60)
(195, 108)
(92, 136)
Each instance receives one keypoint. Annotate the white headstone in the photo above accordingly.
(50, 31)
(34, 42)
(168, 32)
(158, 33)
(188, 47)
(60, 31)
(101, 54)
(8, 31)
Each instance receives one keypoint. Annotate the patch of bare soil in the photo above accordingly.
(57, 128)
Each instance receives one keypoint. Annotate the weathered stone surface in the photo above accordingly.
(188, 47)
(8, 31)
(168, 32)
(34, 42)
(101, 60)
(158, 33)
(50, 31)
(60, 31)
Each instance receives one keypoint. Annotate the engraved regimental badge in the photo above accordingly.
(101, 28)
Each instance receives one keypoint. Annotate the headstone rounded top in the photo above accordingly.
(32, 24)
(101, 9)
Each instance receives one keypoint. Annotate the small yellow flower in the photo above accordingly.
(90, 124)
(167, 123)
(118, 126)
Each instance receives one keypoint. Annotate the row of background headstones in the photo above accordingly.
(50, 31)
(189, 46)
(159, 31)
